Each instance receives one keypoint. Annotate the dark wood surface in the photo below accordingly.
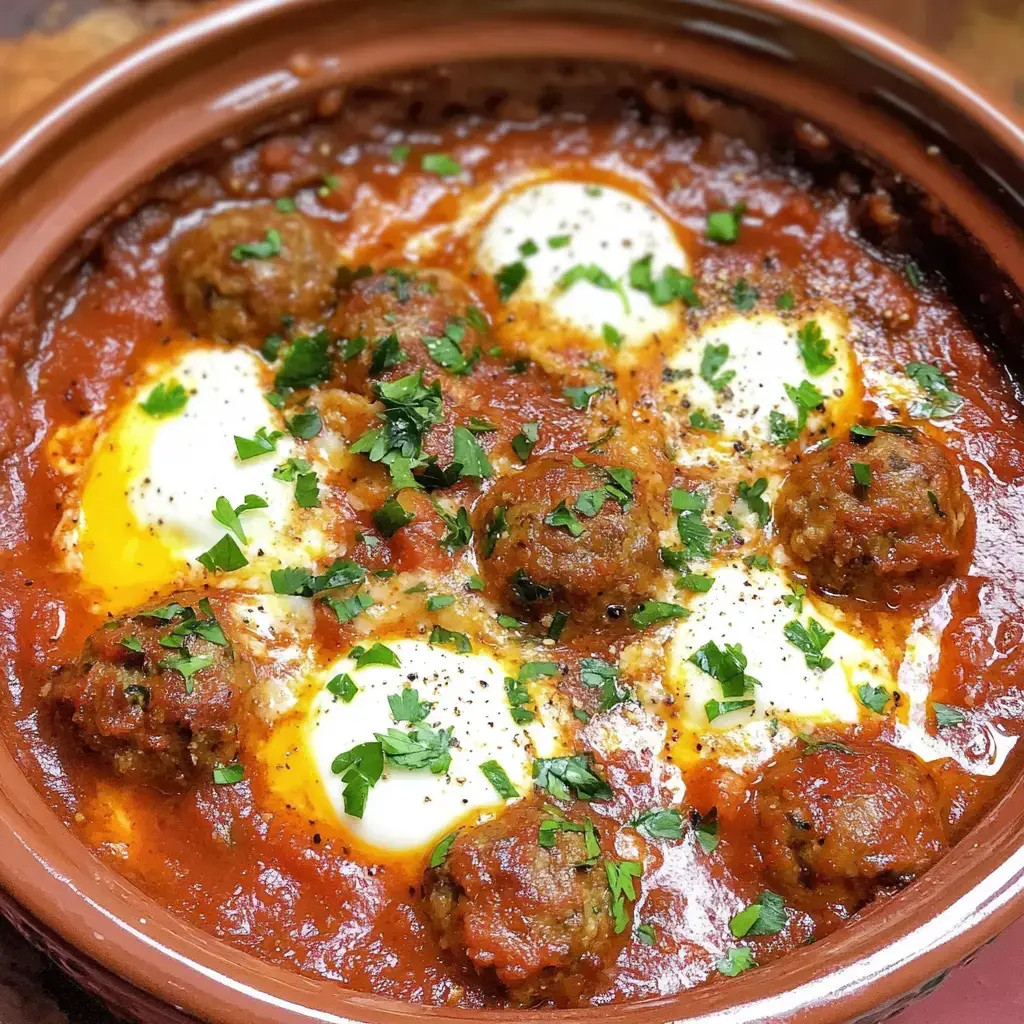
(42, 43)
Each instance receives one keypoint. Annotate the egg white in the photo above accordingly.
(145, 511)
(606, 227)
(764, 357)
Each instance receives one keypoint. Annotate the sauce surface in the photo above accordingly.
(710, 539)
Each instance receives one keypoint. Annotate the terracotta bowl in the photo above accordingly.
(110, 133)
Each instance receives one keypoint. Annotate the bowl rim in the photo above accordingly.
(202, 976)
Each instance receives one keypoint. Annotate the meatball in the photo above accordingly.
(838, 821)
(601, 559)
(240, 272)
(898, 529)
(156, 695)
(536, 918)
(410, 306)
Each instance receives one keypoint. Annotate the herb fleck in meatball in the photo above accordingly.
(157, 695)
(536, 917)
(838, 821)
(898, 528)
(561, 534)
(240, 272)
(393, 312)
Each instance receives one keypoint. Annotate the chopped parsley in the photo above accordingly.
(421, 747)
(526, 589)
(700, 420)
(307, 490)
(946, 715)
(566, 777)
(706, 828)
(228, 774)
(224, 556)
(812, 640)
(165, 400)
(265, 250)
(724, 225)
(387, 353)
(785, 302)
(469, 455)
(942, 402)
(861, 474)
(813, 347)
(648, 613)
(261, 443)
(563, 517)
(186, 666)
(736, 961)
(406, 706)
(620, 880)
(594, 275)
(873, 697)
(229, 517)
(458, 533)
(450, 638)
(509, 278)
(711, 362)
(306, 362)
(499, 779)
(579, 398)
(660, 823)
(497, 527)
(443, 848)
(765, 916)
(612, 336)
(438, 601)
(360, 769)
(440, 164)
(805, 397)
(600, 675)
(347, 608)
(753, 496)
(342, 687)
(447, 352)
(668, 287)
(523, 443)
(558, 623)
(728, 666)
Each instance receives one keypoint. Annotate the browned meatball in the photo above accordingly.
(838, 822)
(536, 918)
(900, 531)
(411, 306)
(239, 272)
(156, 711)
(606, 559)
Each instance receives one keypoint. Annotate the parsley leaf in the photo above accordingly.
(579, 398)
(165, 400)
(594, 275)
(666, 288)
(342, 687)
(360, 769)
(440, 164)
(873, 697)
(600, 675)
(752, 495)
(421, 747)
(499, 779)
(946, 715)
(447, 352)
(229, 517)
(440, 635)
(564, 517)
(265, 250)
(524, 441)
(306, 362)
(706, 828)
(261, 443)
(509, 278)
(392, 516)
(526, 589)
(224, 556)
(228, 774)
(496, 528)
(307, 490)
(565, 777)
(942, 403)
(724, 225)
(813, 347)
(470, 455)
(650, 612)
(765, 916)
(443, 848)
(186, 666)
(812, 640)
(736, 961)
(620, 880)
(660, 823)
(458, 532)
(711, 362)
(378, 654)
(406, 706)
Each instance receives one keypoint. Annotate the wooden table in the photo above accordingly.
(42, 43)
